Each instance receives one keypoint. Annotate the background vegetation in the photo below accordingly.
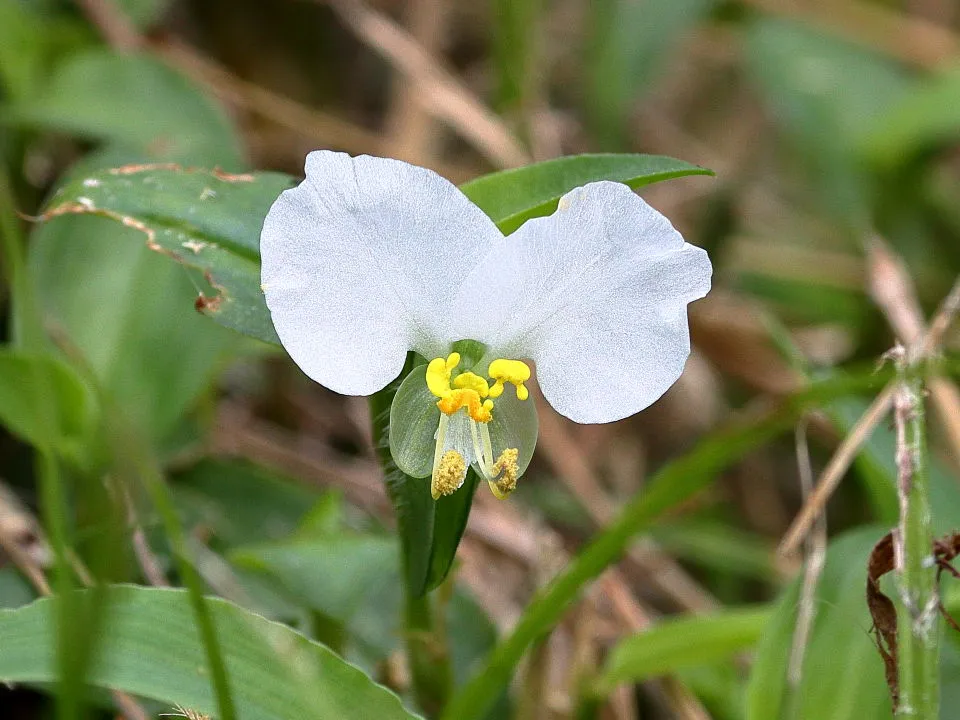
(144, 446)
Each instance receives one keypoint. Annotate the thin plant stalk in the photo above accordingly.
(28, 335)
(429, 661)
(918, 618)
(128, 448)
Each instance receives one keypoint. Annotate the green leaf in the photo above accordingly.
(135, 100)
(672, 485)
(449, 523)
(677, 643)
(853, 689)
(143, 13)
(44, 402)
(14, 590)
(204, 220)
(719, 546)
(240, 502)
(345, 578)
(149, 646)
(926, 116)
(631, 44)
(511, 197)
(827, 94)
(22, 48)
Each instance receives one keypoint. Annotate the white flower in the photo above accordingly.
(370, 258)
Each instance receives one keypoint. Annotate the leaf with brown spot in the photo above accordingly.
(208, 220)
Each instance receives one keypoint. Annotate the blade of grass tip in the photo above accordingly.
(672, 485)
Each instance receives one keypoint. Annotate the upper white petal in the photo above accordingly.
(361, 262)
(596, 294)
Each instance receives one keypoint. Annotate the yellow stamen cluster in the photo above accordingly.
(467, 391)
(470, 392)
(448, 475)
(509, 371)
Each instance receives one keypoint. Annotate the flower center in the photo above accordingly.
(472, 393)
(469, 390)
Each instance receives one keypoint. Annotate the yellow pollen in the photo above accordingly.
(509, 371)
(505, 473)
(448, 477)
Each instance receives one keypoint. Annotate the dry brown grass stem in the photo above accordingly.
(816, 553)
(410, 127)
(571, 464)
(147, 561)
(833, 473)
(323, 129)
(320, 128)
(892, 289)
(439, 91)
(907, 38)
(117, 29)
(16, 527)
(636, 619)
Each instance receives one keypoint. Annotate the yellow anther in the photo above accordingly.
(448, 477)
(504, 479)
(454, 400)
(509, 371)
(471, 381)
(438, 374)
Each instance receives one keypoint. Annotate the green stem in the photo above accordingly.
(426, 649)
(918, 617)
(26, 319)
(128, 446)
(27, 334)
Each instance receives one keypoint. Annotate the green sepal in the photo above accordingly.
(514, 425)
(414, 417)
(429, 531)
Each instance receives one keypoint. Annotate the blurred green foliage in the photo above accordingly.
(821, 138)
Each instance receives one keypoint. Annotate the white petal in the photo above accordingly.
(596, 295)
(360, 262)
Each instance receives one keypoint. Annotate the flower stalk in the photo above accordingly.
(918, 620)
